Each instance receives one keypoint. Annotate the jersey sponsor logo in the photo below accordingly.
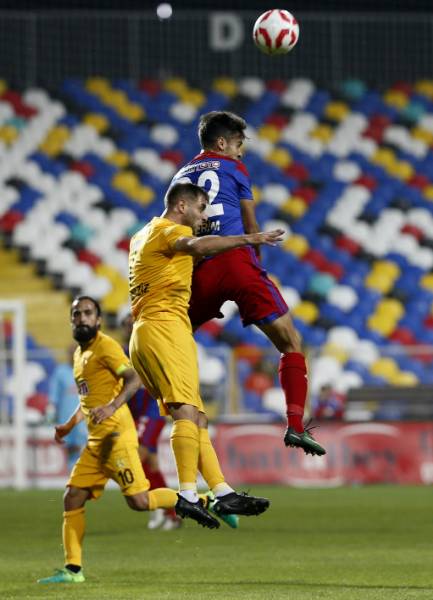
(209, 227)
(83, 388)
(139, 290)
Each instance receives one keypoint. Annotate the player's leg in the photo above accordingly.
(149, 431)
(223, 501)
(135, 488)
(86, 481)
(261, 303)
(293, 380)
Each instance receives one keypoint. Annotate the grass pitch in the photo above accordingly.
(347, 543)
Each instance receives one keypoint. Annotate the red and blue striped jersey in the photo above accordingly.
(227, 181)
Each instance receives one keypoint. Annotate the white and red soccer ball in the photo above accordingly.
(276, 32)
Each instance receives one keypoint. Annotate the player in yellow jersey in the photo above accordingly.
(105, 381)
(162, 347)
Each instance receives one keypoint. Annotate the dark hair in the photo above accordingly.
(95, 302)
(179, 191)
(219, 123)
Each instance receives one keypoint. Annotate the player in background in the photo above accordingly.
(162, 347)
(149, 424)
(237, 274)
(105, 381)
(63, 400)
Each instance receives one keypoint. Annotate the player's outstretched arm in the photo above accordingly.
(61, 430)
(131, 383)
(214, 244)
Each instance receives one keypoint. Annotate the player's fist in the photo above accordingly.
(59, 433)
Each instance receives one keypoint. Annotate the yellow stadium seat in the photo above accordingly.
(422, 134)
(428, 192)
(390, 307)
(144, 194)
(336, 352)
(387, 267)
(396, 99)
(323, 133)
(280, 157)
(384, 367)
(226, 86)
(175, 85)
(194, 97)
(427, 281)
(295, 206)
(306, 311)
(96, 85)
(3, 86)
(402, 169)
(296, 244)
(114, 300)
(269, 132)
(404, 379)
(424, 87)
(97, 121)
(119, 158)
(8, 134)
(336, 110)
(380, 283)
(384, 157)
(126, 181)
(382, 324)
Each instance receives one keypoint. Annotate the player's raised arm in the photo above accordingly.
(214, 244)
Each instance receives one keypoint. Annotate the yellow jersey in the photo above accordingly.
(159, 277)
(97, 372)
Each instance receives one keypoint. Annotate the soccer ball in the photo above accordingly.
(276, 32)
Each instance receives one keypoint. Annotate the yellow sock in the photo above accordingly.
(162, 498)
(208, 463)
(185, 446)
(73, 532)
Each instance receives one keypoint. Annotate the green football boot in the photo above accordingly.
(303, 440)
(64, 576)
(230, 520)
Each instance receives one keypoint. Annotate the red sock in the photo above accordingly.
(293, 379)
(157, 480)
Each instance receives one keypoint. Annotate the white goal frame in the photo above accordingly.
(13, 436)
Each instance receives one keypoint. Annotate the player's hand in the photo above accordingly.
(59, 433)
(100, 413)
(269, 238)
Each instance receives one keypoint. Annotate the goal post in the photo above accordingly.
(13, 434)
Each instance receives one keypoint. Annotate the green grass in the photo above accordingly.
(348, 543)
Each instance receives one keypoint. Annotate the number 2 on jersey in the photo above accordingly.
(213, 210)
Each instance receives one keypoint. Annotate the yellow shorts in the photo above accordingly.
(114, 459)
(164, 354)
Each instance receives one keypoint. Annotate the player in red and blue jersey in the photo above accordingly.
(237, 274)
(149, 425)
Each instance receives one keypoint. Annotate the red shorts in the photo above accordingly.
(234, 275)
(148, 431)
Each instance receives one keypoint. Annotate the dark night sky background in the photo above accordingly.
(292, 5)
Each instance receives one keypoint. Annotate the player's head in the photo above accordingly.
(187, 202)
(85, 318)
(223, 132)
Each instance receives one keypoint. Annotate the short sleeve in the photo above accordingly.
(113, 357)
(173, 233)
(244, 182)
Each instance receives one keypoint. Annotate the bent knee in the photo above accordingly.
(138, 502)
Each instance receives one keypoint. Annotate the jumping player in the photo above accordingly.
(162, 346)
(237, 274)
(105, 381)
